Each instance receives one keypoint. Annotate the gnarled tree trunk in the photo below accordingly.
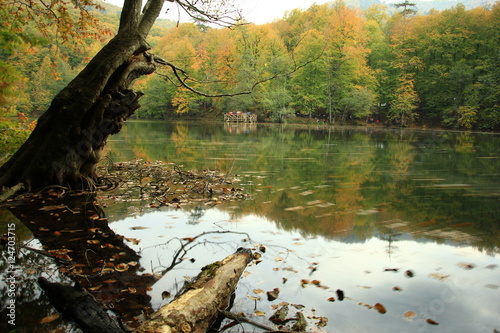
(67, 142)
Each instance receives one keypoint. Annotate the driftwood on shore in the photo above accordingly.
(196, 308)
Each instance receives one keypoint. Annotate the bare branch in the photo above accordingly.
(211, 11)
(183, 81)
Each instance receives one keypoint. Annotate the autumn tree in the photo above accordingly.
(67, 142)
(404, 100)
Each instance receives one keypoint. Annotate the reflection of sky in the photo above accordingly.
(463, 300)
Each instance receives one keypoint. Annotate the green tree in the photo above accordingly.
(66, 144)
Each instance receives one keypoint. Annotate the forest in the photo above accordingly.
(328, 63)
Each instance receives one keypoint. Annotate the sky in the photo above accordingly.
(256, 11)
(265, 11)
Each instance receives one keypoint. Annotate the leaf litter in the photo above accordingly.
(165, 184)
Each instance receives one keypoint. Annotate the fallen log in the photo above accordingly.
(198, 306)
(78, 305)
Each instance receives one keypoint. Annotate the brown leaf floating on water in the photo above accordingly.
(409, 314)
(138, 228)
(432, 322)
(121, 267)
(272, 295)
(409, 273)
(380, 308)
(50, 318)
(466, 265)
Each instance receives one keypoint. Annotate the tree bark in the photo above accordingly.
(195, 309)
(68, 140)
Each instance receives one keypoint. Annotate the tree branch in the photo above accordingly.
(177, 71)
(150, 13)
(129, 18)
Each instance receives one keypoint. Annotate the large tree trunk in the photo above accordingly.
(67, 142)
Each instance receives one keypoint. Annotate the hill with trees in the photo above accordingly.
(370, 63)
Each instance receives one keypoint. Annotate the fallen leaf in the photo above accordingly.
(121, 267)
(432, 322)
(409, 273)
(134, 241)
(258, 291)
(440, 277)
(255, 298)
(49, 208)
(466, 265)
(366, 305)
(272, 295)
(391, 269)
(259, 313)
(95, 288)
(316, 282)
(93, 241)
(279, 259)
(380, 308)
(409, 314)
(331, 299)
(139, 228)
(291, 209)
(50, 318)
(340, 295)
(166, 294)
(323, 321)
(396, 288)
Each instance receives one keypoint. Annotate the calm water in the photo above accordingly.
(354, 209)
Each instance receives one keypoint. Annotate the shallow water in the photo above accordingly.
(407, 219)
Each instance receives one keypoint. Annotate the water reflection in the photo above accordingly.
(336, 174)
(354, 202)
(349, 202)
(456, 286)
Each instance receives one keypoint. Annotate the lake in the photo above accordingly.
(405, 219)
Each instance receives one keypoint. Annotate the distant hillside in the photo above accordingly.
(423, 7)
